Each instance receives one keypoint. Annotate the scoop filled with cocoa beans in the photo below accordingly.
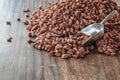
(96, 30)
(54, 29)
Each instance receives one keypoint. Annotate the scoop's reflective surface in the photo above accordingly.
(93, 29)
(96, 31)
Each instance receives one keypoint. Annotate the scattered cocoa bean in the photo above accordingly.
(8, 22)
(18, 19)
(9, 39)
(30, 41)
(27, 16)
(25, 22)
(26, 10)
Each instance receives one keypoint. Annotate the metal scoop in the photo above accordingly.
(96, 31)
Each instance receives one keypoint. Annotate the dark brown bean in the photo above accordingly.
(26, 22)
(26, 10)
(8, 22)
(9, 39)
(30, 41)
(27, 15)
(18, 19)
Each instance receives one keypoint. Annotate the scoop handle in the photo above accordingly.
(112, 14)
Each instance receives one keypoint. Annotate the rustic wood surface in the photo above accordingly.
(20, 61)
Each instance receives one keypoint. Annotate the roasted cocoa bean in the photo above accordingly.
(25, 22)
(8, 22)
(18, 19)
(26, 10)
(9, 39)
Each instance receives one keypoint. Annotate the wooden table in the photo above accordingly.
(20, 61)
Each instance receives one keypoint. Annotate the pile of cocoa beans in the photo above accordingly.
(54, 29)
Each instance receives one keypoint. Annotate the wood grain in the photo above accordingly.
(20, 61)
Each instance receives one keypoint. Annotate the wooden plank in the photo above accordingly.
(20, 61)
